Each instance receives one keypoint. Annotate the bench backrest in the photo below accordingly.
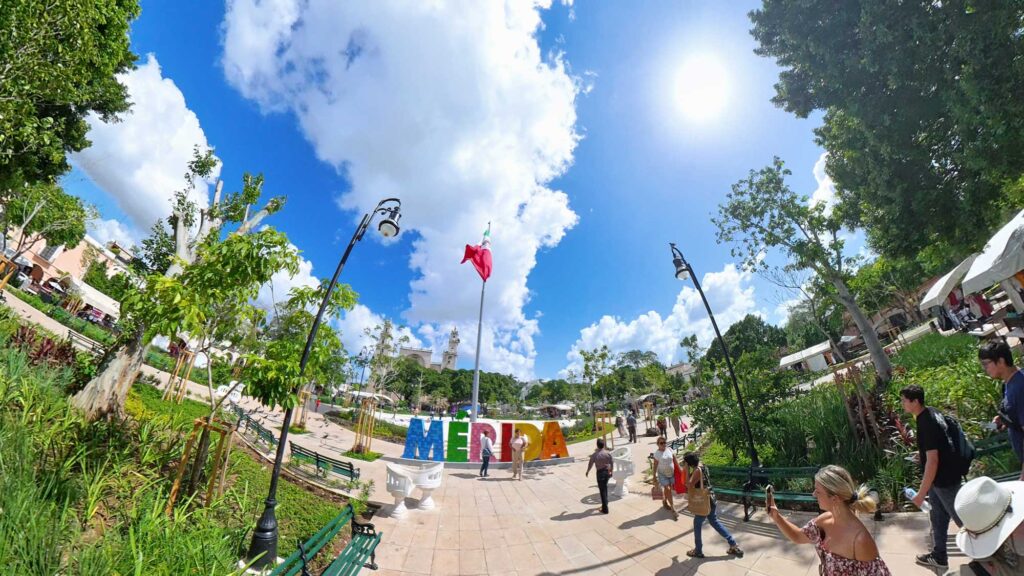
(293, 563)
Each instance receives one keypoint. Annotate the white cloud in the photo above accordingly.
(140, 160)
(826, 190)
(451, 107)
(729, 293)
(281, 283)
(112, 230)
(353, 325)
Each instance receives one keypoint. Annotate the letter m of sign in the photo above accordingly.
(424, 445)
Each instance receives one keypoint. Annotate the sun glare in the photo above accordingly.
(702, 88)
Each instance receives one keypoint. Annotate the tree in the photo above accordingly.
(817, 315)
(762, 212)
(209, 301)
(196, 231)
(156, 252)
(116, 286)
(887, 282)
(637, 358)
(274, 366)
(750, 334)
(923, 124)
(43, 213)
(58, 63)
(385, 361)
(595, 367)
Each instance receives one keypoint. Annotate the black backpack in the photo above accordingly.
(960, 446)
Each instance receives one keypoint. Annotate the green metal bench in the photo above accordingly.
(353, 557)
(251, 425)
(324, 464)
(992, 445)
(754, 480)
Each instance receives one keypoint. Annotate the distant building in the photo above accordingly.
(424, 356)
(687, 371)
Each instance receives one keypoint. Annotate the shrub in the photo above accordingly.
(934, 350)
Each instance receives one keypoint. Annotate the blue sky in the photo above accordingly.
(560, 124)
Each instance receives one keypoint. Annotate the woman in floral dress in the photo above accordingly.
(844, 545)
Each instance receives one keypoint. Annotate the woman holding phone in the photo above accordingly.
(844, 545)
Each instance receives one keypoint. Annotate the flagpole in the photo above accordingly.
(476, 366)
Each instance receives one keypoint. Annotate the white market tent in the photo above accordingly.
(1002, 257)
(361, 394)
(936, 295)
(96, 299)
(808, 354)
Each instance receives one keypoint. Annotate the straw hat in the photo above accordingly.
(990, 512)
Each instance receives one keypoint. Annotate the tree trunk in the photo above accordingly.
(199, 464)
(104, 395)
(883, 368)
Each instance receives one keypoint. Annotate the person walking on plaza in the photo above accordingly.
(518, 446)
(997, 360)
(697, 477)
(665, 460)
(631, 426)
(486, 450)
(662, 425)
(993, 532)
(602, 460)
(844, 545)
(940, 479)
(619, 425)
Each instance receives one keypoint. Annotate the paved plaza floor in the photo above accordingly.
(549, 524)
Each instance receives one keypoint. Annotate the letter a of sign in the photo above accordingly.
(554, 442)
(421, 445)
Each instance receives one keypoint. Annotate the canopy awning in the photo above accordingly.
(361, 394)
(1002, 257)
(936, 295)
(804, 354)
(95, 298)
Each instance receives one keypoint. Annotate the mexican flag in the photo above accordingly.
(480, 255)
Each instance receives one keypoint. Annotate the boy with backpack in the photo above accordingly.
(942, 451)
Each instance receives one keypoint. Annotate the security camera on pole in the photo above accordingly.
(481, 257)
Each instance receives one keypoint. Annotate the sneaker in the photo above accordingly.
(694, 553)
(735, 551)
(930, 560)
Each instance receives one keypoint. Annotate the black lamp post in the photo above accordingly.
(263, 549)
(683, 270)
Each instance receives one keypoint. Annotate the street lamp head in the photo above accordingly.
(389, 227)
(681, 272)
(682, 269)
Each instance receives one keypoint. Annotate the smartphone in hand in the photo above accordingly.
(769, 496)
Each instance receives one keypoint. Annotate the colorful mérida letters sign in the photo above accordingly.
(464, 441)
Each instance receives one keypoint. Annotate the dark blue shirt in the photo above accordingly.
(1013, 405)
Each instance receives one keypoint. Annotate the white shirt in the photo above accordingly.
(664, 459)
(486, 444)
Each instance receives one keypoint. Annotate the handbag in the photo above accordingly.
(680, 480)
(656, 493)
(698, 498)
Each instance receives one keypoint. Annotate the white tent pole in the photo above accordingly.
(1010, 287)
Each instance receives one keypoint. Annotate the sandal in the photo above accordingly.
(694, 554)
(735, 551)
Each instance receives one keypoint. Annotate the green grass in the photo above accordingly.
(88, 498)
(364, 456)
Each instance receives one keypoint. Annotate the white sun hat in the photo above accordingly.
(990, 512)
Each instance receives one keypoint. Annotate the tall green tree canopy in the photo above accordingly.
(58, 62)
(750, 334)
(43, 212)
(924, 124)
(762, 212)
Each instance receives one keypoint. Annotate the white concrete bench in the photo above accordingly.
(403, 478)
(623, 469)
